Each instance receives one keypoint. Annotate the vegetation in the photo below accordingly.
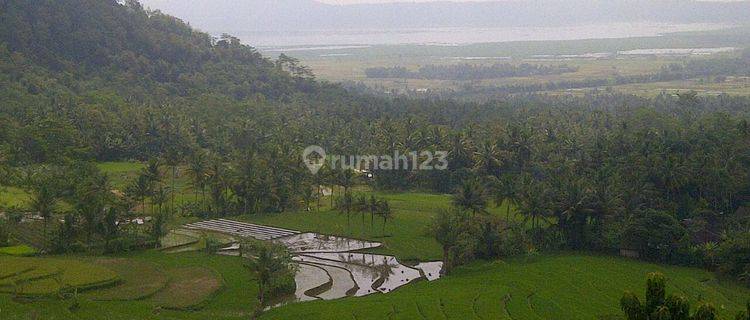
(51, 277)
(195, 127)
(234, 300)
(20, 250)
(188, 288)
(469, 71)
(137, 280)
(545, 287)
(660, 306)
(272, 264)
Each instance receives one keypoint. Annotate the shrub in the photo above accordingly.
(656, 236)
(4, 234)
(212, 244)
(658, 305)
(733, 256)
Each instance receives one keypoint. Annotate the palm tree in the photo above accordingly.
(373, 205)
(43, 200)
(92, 196)
(160, 197)
(384, 211)
(140, 188)
(346, 203)
(153, 170)
(533, 203)
(216, 180)
(173, 160)
(571, 205)
(488, 159)
(471, 196)
(445, 229)
(361, 206)
(266, 261)
(198, 169)
(319, 180)
(504, 191)
(346, 179)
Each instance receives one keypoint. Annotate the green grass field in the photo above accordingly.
(233, 298)
(46, 277)
(137, 280)
(406, 235)
(569, 286)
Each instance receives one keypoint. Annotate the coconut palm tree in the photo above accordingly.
(198, 170)
(346, 179)
(267, 261)
(533, 201)
(153, 171)
(488, 160)
(445, 229)
(42, 201)
(346, 203)
(140, 188)
(373, 205)
(361, 206)
(384, 211)
(504, 192)
(471, 196)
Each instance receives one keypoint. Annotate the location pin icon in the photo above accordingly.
(314, 158)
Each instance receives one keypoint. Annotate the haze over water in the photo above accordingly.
(463, 35)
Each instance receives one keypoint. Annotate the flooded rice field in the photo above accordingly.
(330, 267)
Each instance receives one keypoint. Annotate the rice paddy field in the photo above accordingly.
(172, 284)
(145, 285)
(194, 285)
(565, 286)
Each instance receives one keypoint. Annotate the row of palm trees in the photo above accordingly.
(351, 204)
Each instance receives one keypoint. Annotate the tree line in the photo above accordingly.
(467, 71)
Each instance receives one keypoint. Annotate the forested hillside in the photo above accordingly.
(97, 79)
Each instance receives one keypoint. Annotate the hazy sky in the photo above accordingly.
(384, 1)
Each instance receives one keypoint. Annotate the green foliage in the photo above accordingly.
(465, 237)
(659, 306)
(272, 264)
(744, 315)
(469, 71)
(471, 196)
(733, 256)
(656, 236)
(4, 233)
(212, 244)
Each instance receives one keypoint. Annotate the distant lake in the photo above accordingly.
(324, 39)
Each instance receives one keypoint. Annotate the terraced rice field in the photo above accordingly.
(331, 270)
(188, 287)
(548, 287)
(137, 280)
(44, 277)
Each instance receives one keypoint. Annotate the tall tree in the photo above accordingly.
(43, 201)
(471, 196)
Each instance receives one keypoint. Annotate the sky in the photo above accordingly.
(386, 1)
